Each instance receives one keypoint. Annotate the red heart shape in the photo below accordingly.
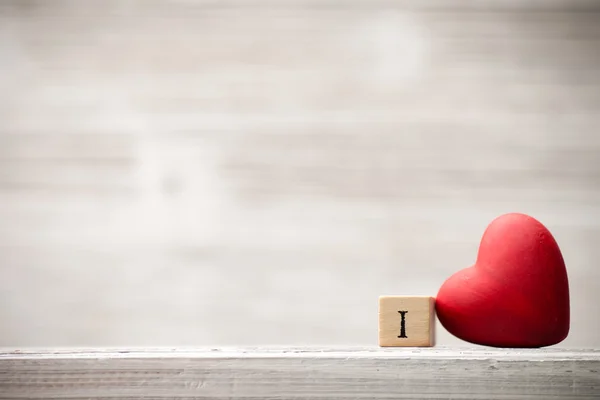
(516, 294)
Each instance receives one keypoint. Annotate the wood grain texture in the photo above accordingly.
(296, 373)
(259, 172)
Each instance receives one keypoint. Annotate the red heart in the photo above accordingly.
(516, 294)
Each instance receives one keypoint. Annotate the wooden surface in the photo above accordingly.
(260, 172)
(287, 373)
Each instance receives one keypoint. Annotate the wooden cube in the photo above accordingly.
(406, 321)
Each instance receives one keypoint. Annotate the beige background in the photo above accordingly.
(259, 172)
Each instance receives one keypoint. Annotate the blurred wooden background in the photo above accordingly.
(258, 172)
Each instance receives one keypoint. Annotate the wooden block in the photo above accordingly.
(406, 321)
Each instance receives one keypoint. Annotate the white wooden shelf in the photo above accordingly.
(294, 373)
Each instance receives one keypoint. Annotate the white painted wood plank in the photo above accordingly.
(286, 373)
(161, 160)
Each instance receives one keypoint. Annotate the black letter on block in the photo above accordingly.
(402, 324)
